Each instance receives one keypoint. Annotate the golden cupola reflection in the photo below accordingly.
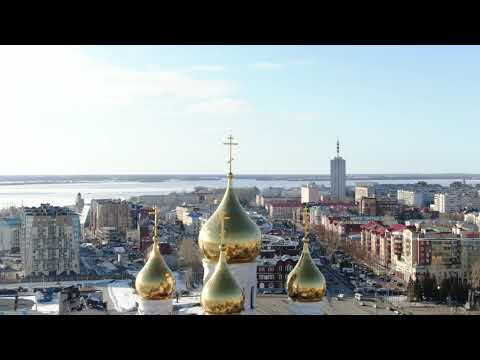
(306, 283)
(222, 295)
(242, 236)
(155, 281)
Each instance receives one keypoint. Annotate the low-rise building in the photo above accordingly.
(367, 206)
(364, 190)
(283, 210)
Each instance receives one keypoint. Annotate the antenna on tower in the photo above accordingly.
(338, 147)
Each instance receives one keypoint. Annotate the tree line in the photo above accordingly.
(428, 288)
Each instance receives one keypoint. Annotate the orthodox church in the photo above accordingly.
(230, 244)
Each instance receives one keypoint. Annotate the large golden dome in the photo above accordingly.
(306, 283)
(222, 295)
(155, 281)
(242, 236)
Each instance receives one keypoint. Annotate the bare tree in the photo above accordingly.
(189, 257)
(475, 274)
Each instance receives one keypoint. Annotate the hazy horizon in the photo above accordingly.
(138, 110)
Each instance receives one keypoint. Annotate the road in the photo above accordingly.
(278, 304)
(349, 305)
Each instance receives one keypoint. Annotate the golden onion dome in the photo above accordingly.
(222, 295)
(155, 281)
(306, 283)
(242, 236)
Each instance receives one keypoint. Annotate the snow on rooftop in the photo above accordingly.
(108, 266)
(122, 295)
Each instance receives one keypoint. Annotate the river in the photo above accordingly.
(62, 194)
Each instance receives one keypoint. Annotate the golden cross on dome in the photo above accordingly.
(306, 222)
(230, 143)
(155, 228)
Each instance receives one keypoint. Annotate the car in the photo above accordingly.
(396, 312)
(340, 296)
(362, 303)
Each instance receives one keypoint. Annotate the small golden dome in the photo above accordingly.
(306, 283)
(221, 295)
(242, 236)
(155, 281)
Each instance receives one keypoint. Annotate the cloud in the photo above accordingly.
(63, 76)
(219, 106)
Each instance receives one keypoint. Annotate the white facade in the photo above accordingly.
(362, 191)
(446, 203)
(410, 198)
(310, 193)
(456, 199)
(155, 307)
(337, 178)
(472, 218)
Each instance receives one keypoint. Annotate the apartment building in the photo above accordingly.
(50, 241)
(310, 193)
(367, 206)
(364, 190)
(283, 210)
(10, 235)
(110, 213)
(410, 198)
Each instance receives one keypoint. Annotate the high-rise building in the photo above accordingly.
(79, 203)
(9, 234)
(110, 213)
(338, 176)
(50, 241)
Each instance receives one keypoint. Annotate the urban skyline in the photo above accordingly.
(389, 225)
(149, 109)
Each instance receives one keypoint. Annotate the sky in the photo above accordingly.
(168, 109)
